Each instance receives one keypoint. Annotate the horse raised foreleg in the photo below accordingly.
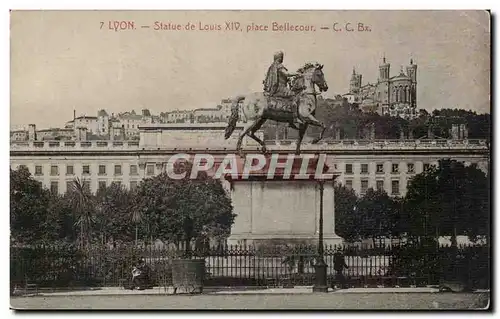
(320, 137)
(302, 132)
(313, 121)
(254, 129)
(246, 131)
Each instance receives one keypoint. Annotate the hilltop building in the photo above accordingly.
(390, 95)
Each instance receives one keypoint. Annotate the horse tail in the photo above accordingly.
(233, 119)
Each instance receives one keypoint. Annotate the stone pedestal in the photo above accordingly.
(281, 209)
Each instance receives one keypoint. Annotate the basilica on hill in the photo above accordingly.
(390, 95)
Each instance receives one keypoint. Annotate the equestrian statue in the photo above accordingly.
(287, 98)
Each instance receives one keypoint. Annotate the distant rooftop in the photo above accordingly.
(102, 113)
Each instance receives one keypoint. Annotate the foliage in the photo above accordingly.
(346, 221)
(182, 210)
(83, 204)
(431, 263)
(29, 204)
(115, 206)
(416, 260)
(378, 215)
(352, 123)
(173, 211)
(49, 266)
(448, 200)
(62, 219)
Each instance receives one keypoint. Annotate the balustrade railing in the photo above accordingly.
(328, 144)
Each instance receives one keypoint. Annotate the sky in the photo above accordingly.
(71, 60)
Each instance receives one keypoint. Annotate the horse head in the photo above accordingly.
(318, 77)
(313, 72)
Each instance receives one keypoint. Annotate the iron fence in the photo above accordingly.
(247, 265)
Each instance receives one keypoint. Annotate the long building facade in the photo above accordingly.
(360, 164)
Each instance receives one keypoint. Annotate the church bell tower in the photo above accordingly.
(384, 70)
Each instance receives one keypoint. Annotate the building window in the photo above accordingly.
(69, 170)
(348, 168)
(133, 185)
(364, 168)
(411, 168)
(69, 186)
(54, 170)
(380, 168)
(118, 169)
(427, 166)
(86, 185)
(54, 187)
(364, 186)
(117, 183)
(133, 169)
(38, 170)
(102, 185)
(102, 169)
(150, 169)
(380, 186)
(86, 169)
(22, 167)
(395, 168)
(395, 187)
(348, 184)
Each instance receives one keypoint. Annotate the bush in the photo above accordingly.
(467, 264)
(55, 266)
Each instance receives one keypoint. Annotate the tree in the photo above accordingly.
(182, 210)
(448, 200)
(346, 221)
(379, 215)
(82, 203)
(29, 203)
(114, 207)
(60, 222)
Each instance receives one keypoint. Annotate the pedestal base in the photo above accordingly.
(281, 209)
(255, 239)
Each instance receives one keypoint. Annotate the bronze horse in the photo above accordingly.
(257, 110)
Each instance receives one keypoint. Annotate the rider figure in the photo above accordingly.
(276, 84)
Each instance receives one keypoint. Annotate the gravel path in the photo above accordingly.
(432, 301)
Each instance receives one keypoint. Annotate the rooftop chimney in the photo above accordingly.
(430, 132)
(84, 134)
(372, 131)
(32, 132)
(455, 133)
(464, 132)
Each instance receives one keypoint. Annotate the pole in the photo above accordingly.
(136, 234)
(320, 267)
